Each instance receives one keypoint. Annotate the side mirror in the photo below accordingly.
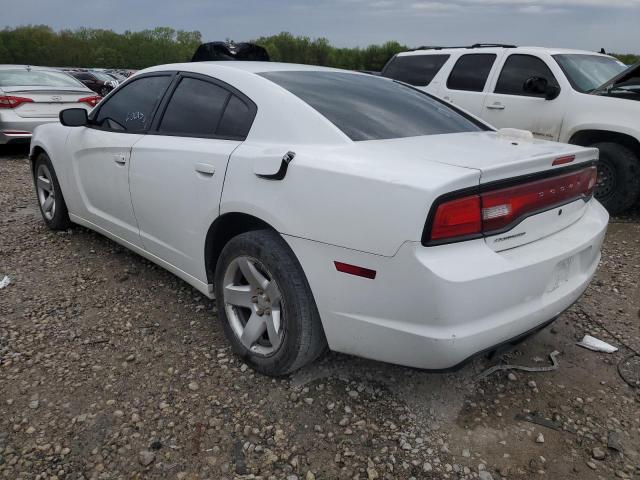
(552, 92)
(535, 85)
(74, 117)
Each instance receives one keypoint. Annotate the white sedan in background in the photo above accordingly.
(31, 96)
(327, 208)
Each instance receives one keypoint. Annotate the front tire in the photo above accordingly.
(618, 177)
(265, 304)
(49, 194)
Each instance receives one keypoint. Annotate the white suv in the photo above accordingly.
(570, 96)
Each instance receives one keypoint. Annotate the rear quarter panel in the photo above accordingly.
(331, 195)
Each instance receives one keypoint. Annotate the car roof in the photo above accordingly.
(251, 67)
(496, 49)
(31, 67)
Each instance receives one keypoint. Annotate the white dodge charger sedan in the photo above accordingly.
(327, 208)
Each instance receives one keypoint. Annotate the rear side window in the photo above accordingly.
(203, 109)
(517, 70)
(236, 120)
(471, 71)
(194, 109)
(416, 70)
(366, 107)
(131, 107)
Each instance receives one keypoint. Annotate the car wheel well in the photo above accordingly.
(223, 229)
(589, 137)
(34, 155)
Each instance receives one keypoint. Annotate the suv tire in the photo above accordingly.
(618, 177)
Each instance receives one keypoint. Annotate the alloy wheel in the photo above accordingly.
(46, 191)
(606, 183)
(253, 304)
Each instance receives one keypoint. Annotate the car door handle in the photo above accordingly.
(496, 106)
(205, 169)
(120, 159)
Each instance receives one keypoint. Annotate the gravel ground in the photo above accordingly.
(110, 367)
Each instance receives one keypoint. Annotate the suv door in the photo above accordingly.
(100, 154)
(466, 83)
(178, 169)
(513, 103)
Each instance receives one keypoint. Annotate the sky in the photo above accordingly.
(584, 24)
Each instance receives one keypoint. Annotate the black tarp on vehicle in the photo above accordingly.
(217, 51)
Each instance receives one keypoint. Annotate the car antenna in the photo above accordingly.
(602, 51)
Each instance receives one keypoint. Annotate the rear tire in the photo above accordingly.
(618, 177)
(49, 194)
(268, 313)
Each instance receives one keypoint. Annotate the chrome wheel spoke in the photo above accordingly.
(253, 330)
(48, 203)
(251, 273)
(273, 325)
(44, 183)
(273, 293)
(238, 295)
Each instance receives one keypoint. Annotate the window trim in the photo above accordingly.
(95, 112)
(486, 81)
(231, 90)
(523, 94)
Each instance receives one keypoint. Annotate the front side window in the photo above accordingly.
(520, 68)
(416, 70)
(471, 71)
(588, 72)
(131, 108)
(365, 107)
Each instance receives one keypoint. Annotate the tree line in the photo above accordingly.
(90, 47)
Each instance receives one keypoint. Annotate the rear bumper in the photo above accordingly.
(16, 129)
(436, 307)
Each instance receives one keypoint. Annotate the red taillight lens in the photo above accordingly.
(498, 210)
(8, 101)
(457, 218)
(92, 101)
(501, 208)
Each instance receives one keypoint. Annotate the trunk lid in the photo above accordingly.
(500, 157)
(47, 102)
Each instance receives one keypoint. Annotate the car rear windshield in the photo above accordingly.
(36, 78)
(365, 107)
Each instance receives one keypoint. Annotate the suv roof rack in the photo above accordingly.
(475, 45)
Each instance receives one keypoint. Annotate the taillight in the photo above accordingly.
(8, 101)
(457, 218)
(92, 101)
(498, 210)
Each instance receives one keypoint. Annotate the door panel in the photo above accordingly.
(100, 164)
(176, 184)
(465, 85)
(509, 106)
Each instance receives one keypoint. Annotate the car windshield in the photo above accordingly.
(36, 78)
(588, 72)
(365, 107)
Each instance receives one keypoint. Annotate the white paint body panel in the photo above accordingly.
(364, 203)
